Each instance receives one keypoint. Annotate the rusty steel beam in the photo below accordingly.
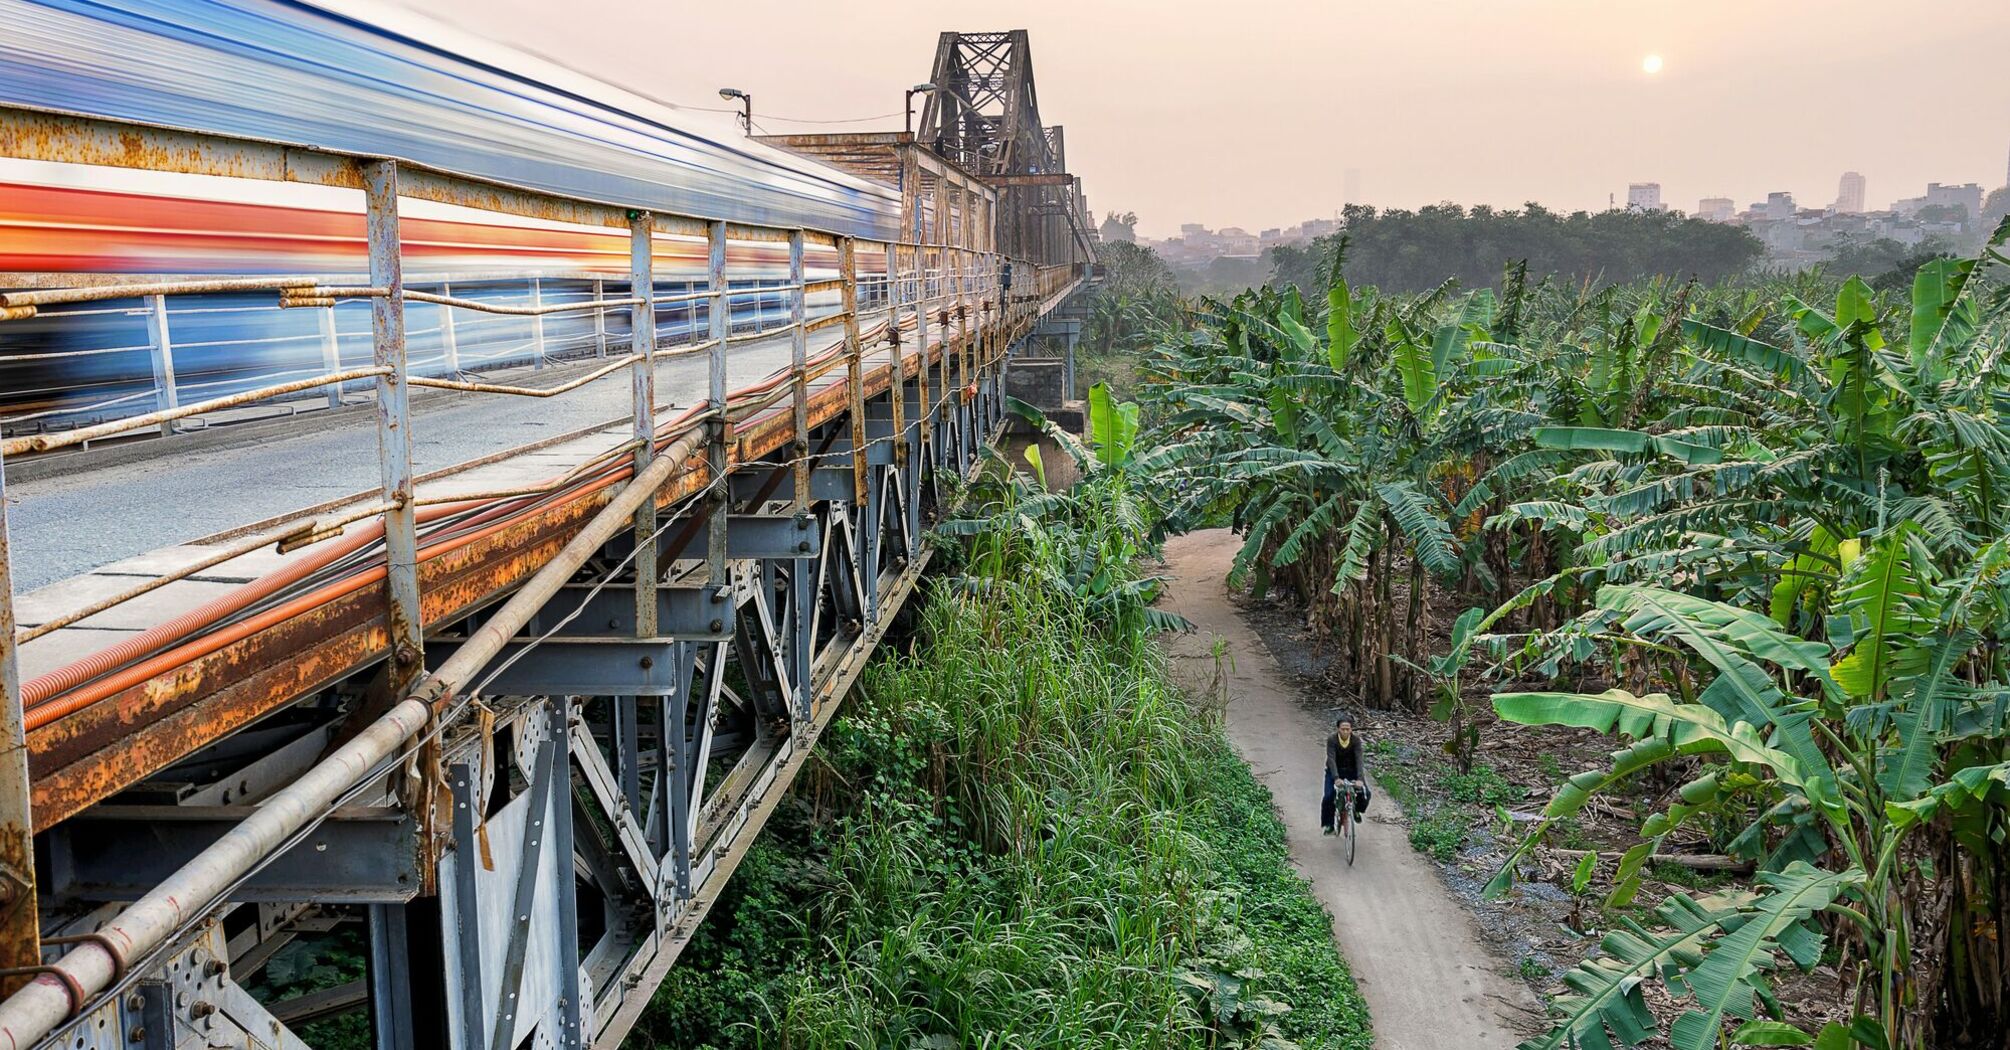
(1043, 179)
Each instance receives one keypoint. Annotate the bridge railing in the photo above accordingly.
(950, 287)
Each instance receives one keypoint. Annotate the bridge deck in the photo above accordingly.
(188, 504)
(73, 520)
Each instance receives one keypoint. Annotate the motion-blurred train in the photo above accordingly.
(358, 78)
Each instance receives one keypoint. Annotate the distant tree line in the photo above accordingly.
(1412, 251)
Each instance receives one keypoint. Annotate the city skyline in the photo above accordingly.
(1851, 196)
(1229, 117)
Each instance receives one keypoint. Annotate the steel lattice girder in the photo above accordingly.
(658, 799)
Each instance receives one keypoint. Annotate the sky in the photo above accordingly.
(1252, 113)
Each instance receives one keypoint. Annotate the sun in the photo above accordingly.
(1650, 65)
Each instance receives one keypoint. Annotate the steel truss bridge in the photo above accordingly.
(520, 718)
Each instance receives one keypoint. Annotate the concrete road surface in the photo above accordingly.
(97, 509)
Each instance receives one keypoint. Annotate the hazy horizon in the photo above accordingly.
(1186, 112)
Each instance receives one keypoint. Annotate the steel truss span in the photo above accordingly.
(517, 735)
(644, 765)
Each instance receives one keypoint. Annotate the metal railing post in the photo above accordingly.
(642, 344)
(163, 359)
(899, 365)
(802, 588)
(854, 368)
(537, 354)
(20, 929)
(450, 345)
(720, 313)
(921, 341)
(965, 355)
(599, 320)
(798, 371)
(331, 354)
(394, 426)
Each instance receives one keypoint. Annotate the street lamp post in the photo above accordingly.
(917, 89)
(746, 107)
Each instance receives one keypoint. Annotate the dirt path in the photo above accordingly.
(1428, 979)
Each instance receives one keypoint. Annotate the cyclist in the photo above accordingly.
(1345, 760)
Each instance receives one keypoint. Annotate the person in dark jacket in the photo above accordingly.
(1345, 760)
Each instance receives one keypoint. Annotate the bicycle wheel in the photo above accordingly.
(1352, 820)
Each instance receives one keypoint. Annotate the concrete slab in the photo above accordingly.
(65, 647)
(148, 609)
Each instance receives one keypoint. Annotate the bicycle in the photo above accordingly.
(1344, 820)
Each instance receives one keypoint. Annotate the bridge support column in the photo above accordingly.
(1068, 373)
(511, 897)
(390, 976)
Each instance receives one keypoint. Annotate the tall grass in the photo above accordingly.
(1018, 834)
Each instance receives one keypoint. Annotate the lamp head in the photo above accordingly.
(731, 93)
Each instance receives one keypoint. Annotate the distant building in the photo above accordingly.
(1116, 232)
(1717, 209)
(1234, 240)
(1311, 229)
(1779, 206)
(1643, 196)
(1966, 199)
(1849, 194)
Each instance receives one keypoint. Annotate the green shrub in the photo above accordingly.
(1442, 834)
(1020, 833)
(1484, 786)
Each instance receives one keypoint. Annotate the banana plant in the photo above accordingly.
(1867, 756)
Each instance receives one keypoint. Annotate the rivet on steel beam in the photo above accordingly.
(407, 656)
(718, 625)
(648, 662)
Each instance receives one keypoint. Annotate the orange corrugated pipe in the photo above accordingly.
(69, 676)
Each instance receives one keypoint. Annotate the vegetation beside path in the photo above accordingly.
(1753, 534)
(1020, 833)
